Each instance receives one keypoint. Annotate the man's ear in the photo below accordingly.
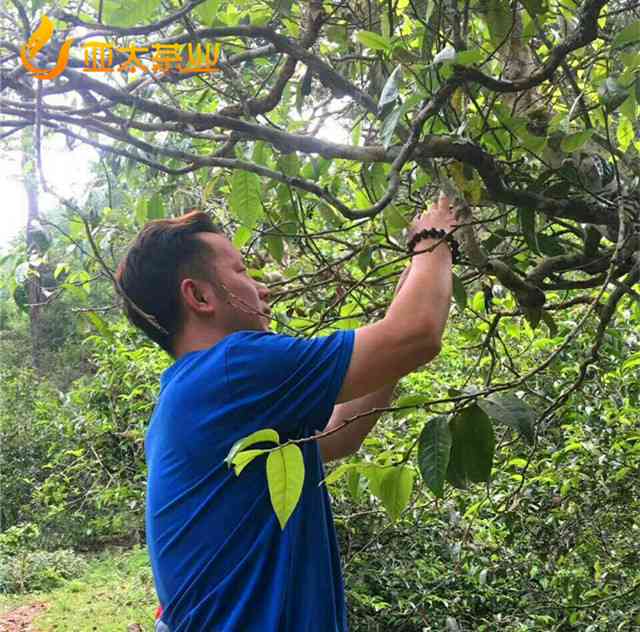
(197, 295)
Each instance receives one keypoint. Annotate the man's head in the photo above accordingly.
(188, 276)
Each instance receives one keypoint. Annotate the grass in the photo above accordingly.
(115, 592)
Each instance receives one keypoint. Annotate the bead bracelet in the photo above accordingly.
(437, 233)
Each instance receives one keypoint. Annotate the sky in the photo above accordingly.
(67, 172)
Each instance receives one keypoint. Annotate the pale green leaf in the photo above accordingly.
(241, 236)
(353, 483)
(207, 11)
(477, 303)
(469, 57)
(411, 400)
(390, 91)
(266, 435)
(625, 133)
(395, 489)
(375, 41)
(631, 363)
(338, 473)
(242, 459)
(374, 474)
(244, 200)
(285, 478)
(155, 207)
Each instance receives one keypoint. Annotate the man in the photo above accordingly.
(220, 560)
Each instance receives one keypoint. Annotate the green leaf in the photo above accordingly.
(155, 207)
(434, 449)
(395, 489)
(389, 125)
(550, 245)
(241, 236)
(395, 219)
(99, 323)
(207, 11)
(21, 272)
(338, 473)
(447, 54)
(499, 20)
(285, 478)
(506, 408)
(375, 41)
(468, 57)
(527, 219)
(266, 435)
(390, 91)
(628, 35)
(430, 6)
(631, 363)
(60, 269)
(535, 7)
(628, 108)
(478, 302)
(612, 94)
(289, 164)
(374, 474)
(244, 201)
(573, 142)
(472, 447)
(242, 459)
(411, 400)
(259, 155)
(353, 483)
(391, 120)
(625, 133)
(130, 14)
(275, 246)
(141, 212)
(459, 292)
(550, 323)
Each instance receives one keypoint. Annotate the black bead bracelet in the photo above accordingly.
(436, 233)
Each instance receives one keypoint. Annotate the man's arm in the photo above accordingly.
(410, 334)
(349, 438)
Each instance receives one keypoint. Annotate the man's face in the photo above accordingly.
(241, 303)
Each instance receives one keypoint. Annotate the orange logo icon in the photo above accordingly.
(35, 44)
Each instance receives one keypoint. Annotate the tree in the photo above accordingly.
(526, 112)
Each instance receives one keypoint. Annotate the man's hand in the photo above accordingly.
(440, 215)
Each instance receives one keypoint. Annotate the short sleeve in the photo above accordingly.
(291, 383)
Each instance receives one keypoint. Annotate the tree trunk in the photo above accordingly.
(34, 283)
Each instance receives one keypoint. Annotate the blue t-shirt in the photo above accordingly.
(220, 560)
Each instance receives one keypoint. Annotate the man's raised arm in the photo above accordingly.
(407, 337)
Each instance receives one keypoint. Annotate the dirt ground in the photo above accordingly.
(19, 619)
